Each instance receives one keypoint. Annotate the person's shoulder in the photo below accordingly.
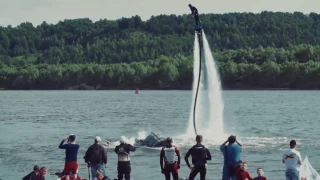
(222, 147)
(195, 146)
(205, 148)
(100, 145)
(288, 151)
(192, 148)
(91, 146)
(297, 152)
(285, 151)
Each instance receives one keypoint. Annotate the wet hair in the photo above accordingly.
(36, 167)
(199, 138)
(169, 140)
(293, 143)
(244, 162)
(232, 139)
(259, 169)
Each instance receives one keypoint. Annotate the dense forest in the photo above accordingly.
(265, 50)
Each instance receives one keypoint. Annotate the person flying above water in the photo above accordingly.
(194, 12)
(171, 156)
(200, 154)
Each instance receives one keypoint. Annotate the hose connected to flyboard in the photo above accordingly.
(196, 97)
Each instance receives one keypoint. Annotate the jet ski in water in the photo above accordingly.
(151, 140)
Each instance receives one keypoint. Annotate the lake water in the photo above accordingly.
(32, 124)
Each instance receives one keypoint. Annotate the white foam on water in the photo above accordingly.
(209, 107)
(142, 135)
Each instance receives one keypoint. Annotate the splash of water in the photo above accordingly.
(209, 110)
(216, 105)
(196, 61)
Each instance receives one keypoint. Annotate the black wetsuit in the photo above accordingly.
(124, 167)
(194, 12)
(200, 154)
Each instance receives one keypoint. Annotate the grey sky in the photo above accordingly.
(15, 12)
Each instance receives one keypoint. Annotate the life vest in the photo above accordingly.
(199, 154)
(170, 154)
(123, 155)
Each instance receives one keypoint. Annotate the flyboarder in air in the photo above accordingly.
(194, 12)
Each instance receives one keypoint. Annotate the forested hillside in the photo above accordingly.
(265, 50)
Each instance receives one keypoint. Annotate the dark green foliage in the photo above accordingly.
(267, 50)
(244, 68)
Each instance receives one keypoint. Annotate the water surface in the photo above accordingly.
(32, 124)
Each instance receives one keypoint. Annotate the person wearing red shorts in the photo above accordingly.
(171, 156)
(72, 149)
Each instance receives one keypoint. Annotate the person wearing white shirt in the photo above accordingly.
(292, 159)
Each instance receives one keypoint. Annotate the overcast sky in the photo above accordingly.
(14, 12)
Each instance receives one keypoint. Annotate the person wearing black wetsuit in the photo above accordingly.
(200, 154)
(124, 167)
(194, 13)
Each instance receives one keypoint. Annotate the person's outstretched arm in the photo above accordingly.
(131, 148)
(61, 145)
(116, 150)
(248, 176)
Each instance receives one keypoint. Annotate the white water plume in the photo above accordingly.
(209, 107)
(196, 61)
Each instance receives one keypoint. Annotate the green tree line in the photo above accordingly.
(127, 40)
(291, 67)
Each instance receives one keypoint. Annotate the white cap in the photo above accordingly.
(98, 139)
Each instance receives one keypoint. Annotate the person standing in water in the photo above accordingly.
(71, 161)
(200, 154)
(292, 159)
(124, 167)
(171, 156)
